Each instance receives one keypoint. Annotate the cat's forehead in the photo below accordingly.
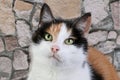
(54, 29)
(59, 30)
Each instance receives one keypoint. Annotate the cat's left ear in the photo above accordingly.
(83, 23)
(46, 14)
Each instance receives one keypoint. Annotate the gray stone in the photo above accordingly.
(111, 1)
(106, 23)
(109, 57)
(3, 78)
(106, 47)
(115, 9)
(5, 68)
(95, 37)
(118, 40)
(11, 43)
(98, 8)
(1, 45)
(117, 58)
(8, 54)
(112, 35)
(36, 17)
(19, 75)
(35, 1)
(20, 60)
(24, 33)
(23, 14)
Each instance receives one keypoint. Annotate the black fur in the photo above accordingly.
(77, 33)
(76, 25)
(96, 76)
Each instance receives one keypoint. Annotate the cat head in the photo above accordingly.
(61, 38)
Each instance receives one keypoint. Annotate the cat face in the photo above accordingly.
(60, 40)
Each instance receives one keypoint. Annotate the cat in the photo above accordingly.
(59, 48)
(101, 65)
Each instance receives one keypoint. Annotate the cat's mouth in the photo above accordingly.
(57, 58)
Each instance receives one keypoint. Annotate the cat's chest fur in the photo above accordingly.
(50, 74)
(41, 71)
(45, 68)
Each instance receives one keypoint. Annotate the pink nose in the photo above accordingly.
(55, 48)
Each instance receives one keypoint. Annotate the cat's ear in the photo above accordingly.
(83, 23)
(46, 14)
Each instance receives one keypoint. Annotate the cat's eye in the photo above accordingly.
(69, 41)
(48, 37)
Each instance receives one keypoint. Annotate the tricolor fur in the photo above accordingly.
(69, 62)
(101, 65)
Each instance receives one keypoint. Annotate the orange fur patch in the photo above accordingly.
(100, 63)
(54, 30)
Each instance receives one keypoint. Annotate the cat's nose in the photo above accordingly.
(55, 48)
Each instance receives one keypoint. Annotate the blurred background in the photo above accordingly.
(20, 18)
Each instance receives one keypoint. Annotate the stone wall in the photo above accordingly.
(19, 19)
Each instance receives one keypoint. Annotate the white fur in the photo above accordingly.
(70, 66)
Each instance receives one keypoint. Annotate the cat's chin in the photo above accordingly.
(55, 58)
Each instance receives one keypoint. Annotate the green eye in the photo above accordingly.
(48, 37)
(69, 41)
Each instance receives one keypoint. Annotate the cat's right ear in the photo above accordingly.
(46, 14)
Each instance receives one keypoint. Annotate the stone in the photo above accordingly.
(115, 9)
(19, 75)
(20, 5)
(23, 15)
(8, 54)
(1, 45)
(35, 1)
(22, 9)
(95, 37)
(65, 9)
(5, 68)
(3, 78)
(106, 23)
(11, 43)
(36, 17)
(98, 8)
(118, 40)
(112, 35)
(7, 21)
(6, 4)
(23, 32)
(20, 60)
(117, 58)
(106, 47)
(109, 57)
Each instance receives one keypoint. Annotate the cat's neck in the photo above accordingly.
(52, 72)
(43, 71)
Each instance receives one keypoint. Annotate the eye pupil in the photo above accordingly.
(69, 41)
(48, 37)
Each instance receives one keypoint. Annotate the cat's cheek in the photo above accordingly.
(43, 48)
(71, 49)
